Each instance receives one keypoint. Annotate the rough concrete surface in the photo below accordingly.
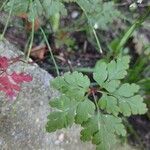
(22, 125)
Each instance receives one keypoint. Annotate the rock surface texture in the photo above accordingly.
(22, 122)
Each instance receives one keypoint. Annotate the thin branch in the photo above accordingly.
(50, 50)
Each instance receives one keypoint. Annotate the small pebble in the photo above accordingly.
(41, 103)
(74, 14)
(37, 120)
(57, 142)
(61, 137)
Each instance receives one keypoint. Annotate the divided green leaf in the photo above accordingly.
(64, 117)
(72, 85)
(99, 117)
(36, 8)
(97, 12)
(101, 129)
(69, 111)
(72, 103)
(118, 98)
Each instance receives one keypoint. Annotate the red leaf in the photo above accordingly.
(7, 84)
(8, 87)
(21, 77)
(3, 63)
(10, 84)
(9, 92)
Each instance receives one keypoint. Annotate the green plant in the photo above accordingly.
(98, 109)
(98, 13)
(117, 45)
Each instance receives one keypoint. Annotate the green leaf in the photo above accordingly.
(127, 90)
(119, 98)
(73, 85)
(133, 105)
(85, 110)
(112, 85)
(99, 12)
(116, 104)
(64, 117)
(69, 111)
(101, 129)
(112, 71)
(53, 7)
(100, 72)
(19, 7)
(56, 120)
(62, 103)
(117, 69)
(98, 116)
(109, 103)
(128, 102)
(36, 8)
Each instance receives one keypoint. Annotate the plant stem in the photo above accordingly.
(3, 5)
(50, 50)
(26, 46)
(98, 110)
(97, 40)
(94, 31)
(5, 28)
(32, 34)
(130, 31)
(86, 69)
(31, 42)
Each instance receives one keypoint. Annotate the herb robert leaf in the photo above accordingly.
(100, 119)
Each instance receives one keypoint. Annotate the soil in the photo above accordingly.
(141, 126)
